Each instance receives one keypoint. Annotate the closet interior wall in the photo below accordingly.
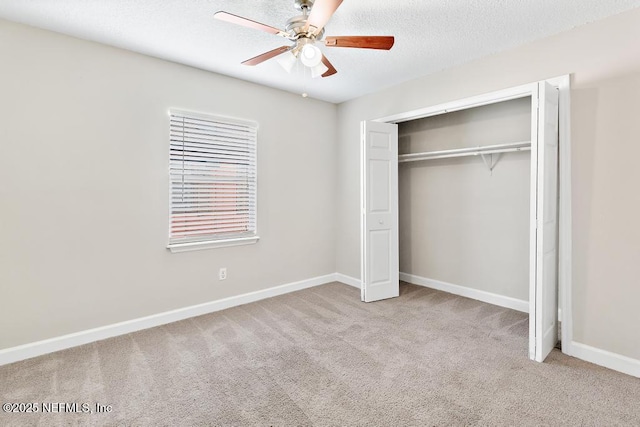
(461, 223)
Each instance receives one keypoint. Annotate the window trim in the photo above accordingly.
(230, 241)
(212, 244)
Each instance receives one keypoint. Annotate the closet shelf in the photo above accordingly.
(461, 152)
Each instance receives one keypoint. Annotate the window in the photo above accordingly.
(212, 168)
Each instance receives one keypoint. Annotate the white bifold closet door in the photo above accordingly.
(379, 201)
(379, 224)
(543, 297)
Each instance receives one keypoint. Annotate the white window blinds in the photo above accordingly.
(213, 178)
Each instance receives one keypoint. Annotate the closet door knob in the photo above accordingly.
(381, 222)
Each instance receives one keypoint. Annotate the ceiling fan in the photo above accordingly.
(305, 31)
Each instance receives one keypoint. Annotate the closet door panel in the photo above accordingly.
(379, 201)
(379, 252)
(379, 186)
(545, 301)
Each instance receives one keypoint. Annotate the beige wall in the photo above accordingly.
(83, 218)
(459, 222)
(84, 186)
(605, 63)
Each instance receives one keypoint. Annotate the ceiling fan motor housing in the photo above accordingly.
(296, 28)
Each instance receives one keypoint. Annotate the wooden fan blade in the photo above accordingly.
(321, 12)
(267, 55)
(331, 69)
(239, 20)
(362, 42)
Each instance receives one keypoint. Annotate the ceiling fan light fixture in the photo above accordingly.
(287, 61)
(304, 31)
(310, 55)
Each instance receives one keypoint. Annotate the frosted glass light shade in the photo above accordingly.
(287, 61)
(310, 55)
(318, 70)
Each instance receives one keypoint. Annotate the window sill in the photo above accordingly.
(196, 246)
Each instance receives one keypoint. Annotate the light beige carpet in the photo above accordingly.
(321, 357)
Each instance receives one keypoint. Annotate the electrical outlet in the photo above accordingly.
(222, 274)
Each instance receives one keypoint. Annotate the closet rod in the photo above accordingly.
(471, 151)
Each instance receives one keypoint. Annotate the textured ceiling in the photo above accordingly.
(431, 35)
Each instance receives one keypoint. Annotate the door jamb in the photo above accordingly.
(563, 83)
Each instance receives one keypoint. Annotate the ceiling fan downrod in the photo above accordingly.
(297, 26)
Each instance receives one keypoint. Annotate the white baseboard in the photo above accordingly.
(610, 360)
(348, 280)
(604, 358)
(27, 351)
(488, 297)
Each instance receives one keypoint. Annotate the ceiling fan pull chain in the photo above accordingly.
(304, 82)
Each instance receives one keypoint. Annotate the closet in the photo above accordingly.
(464, 202)
(464, 197)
